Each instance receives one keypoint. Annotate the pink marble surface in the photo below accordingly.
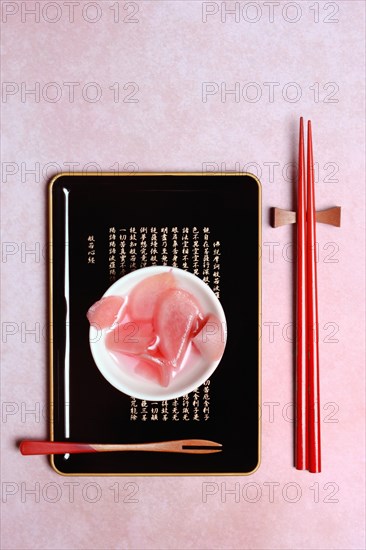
(169, 52)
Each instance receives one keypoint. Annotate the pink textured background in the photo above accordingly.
(169, 52)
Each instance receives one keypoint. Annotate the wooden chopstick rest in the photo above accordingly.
(330, 216)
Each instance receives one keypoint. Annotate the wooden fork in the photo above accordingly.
(193, 446)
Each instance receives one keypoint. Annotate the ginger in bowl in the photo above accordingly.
(157, 333)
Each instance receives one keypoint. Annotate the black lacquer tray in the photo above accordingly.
(102, 226)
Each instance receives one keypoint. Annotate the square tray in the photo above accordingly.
(212, 227)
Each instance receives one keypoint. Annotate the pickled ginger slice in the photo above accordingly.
(174, 320)
(211, 339)
(133, 338)
(107, 311)
(144, 296)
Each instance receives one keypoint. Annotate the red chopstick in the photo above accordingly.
(307, 446)
(301, 446)
(312, 319)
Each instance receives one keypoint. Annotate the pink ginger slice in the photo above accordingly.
(134, 337)
(211, 339)
(106, 311)
(144, 295)
(175, 318)
(154, 368)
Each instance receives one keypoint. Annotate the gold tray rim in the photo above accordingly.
(50, 319)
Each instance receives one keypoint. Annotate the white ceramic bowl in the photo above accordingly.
(123, 377)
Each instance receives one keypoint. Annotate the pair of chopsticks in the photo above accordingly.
(307, 448)
(191, 446)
